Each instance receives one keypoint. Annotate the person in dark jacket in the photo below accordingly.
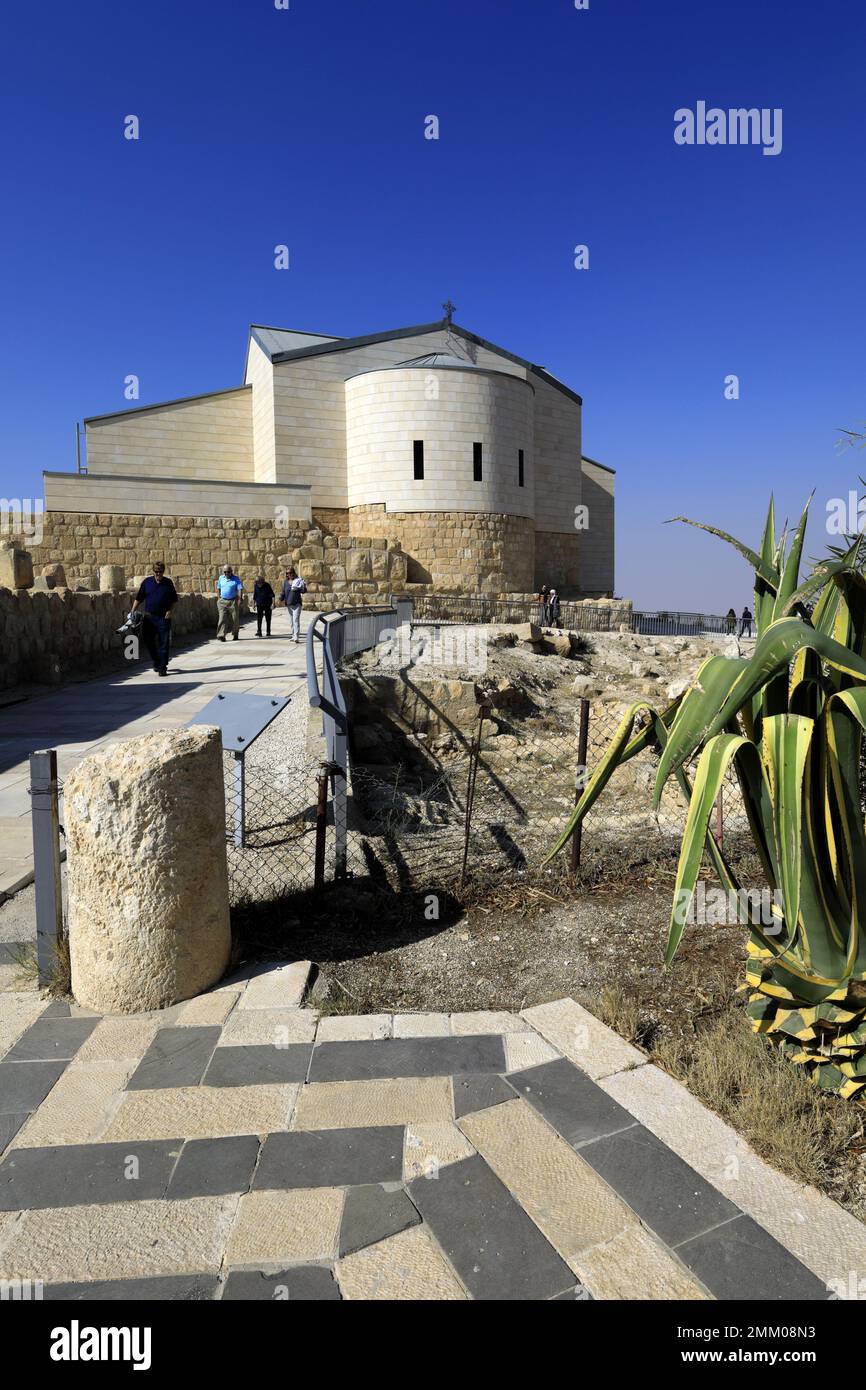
(263, 598)
(553, 610)
(730, 622)
(158, 596)
(745, 622)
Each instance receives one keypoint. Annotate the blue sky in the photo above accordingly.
(262, 126)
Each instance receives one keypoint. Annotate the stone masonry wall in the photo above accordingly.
(46, 636)
(557, 561)
(457, 552)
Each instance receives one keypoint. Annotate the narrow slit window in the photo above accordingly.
(419, 459)
(477, 456)
(520, 468)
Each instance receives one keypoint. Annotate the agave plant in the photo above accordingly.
(790, 719)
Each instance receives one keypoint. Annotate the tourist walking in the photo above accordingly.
(157, 596)
(553, 609)
(291, 595)
(229, 590)
(542, 600)
(730, 622)
(263, 598)
(745, 622)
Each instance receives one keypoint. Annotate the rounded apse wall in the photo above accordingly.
(451, 411)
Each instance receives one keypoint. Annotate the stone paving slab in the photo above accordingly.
(202, 1112)
(740, 1260)
(213, 1167)
(277, 1227)
(118, 1240)
(372, 1213)
(24, 1085)
(219, 1150)
(408, 1267)
(367, 1061)
(496, 1249)
(574, 1105)
(347, 1104)
(331, 1158)
(825, 1237)
(17, 1012)
(300, 1284)
(176, 1057)
(268, 1027)
(51, 1040)
(175, 1288)
(32, 1178)
(252, 1065)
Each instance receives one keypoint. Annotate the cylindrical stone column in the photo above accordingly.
(146, 868)
(112, 579)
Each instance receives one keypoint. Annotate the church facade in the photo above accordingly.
(427, 440)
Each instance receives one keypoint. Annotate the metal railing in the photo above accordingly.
(334, 636)
(576, 617)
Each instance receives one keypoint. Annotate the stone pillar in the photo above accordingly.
(112, 579)
(16, 567)
(55, 575)
(146, 867)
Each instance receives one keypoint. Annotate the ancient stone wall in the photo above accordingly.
(456, 552)
(557, 561)
(194, 548)
(47, 636)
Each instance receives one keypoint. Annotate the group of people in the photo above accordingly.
(550, 607)
(157, 597)
(746, 620)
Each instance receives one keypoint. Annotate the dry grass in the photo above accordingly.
(813, 1137)
(59, 981)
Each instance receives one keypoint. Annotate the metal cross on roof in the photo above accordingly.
(449, 310)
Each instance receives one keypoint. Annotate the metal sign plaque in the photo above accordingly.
(240, 717)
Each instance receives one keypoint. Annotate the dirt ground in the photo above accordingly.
(513, 948)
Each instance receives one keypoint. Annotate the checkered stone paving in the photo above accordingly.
(239, 1147)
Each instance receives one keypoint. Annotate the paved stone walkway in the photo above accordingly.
(79, 718)
(238, 1146)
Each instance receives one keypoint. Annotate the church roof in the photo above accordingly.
(269, 339)
(439, 359)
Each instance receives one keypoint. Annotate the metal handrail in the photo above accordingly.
(330, 630)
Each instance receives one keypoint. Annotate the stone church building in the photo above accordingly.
(454, 464)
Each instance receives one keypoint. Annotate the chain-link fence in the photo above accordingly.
(492, 799)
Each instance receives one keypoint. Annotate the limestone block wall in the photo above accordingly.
(310, 407)
(558, 560)
(450, 410)
(457, 552)
(597, 541)
(558, 478)
(201, 437)
(46, 636)
(194, 548)
(118, 493)
(260, 376)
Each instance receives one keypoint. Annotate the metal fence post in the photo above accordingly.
(321, 825)
(239, 796)
(580, 780)
(45, 817)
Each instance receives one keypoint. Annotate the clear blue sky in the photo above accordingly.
(262, 126)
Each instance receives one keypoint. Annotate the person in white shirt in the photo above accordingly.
(291, 595)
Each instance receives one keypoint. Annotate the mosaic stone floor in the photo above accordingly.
(240, 1147)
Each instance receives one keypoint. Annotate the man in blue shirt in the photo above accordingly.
(229, 590)
(157, 595)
